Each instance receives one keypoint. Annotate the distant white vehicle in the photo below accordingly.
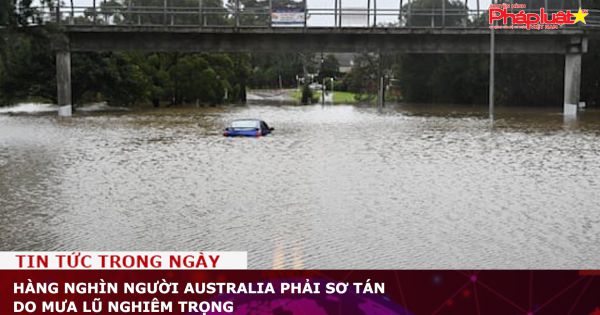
(315, 86)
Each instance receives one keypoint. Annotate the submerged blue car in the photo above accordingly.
(247, 128)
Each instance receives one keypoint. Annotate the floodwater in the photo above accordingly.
(333, 187)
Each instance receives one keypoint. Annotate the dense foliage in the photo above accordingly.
(267, 70)
(28, 70)
(27, 67)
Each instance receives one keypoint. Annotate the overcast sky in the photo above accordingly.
(317, 20)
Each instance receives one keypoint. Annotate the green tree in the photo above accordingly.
(6, 11)
(363, 77)
(330, 68)
(156, 67)
(590, 80)
(267, 69)
(252, 12)
(126, 84)
(428, 13)
(201, 78)
(442, 78)
(242, 71)
(28, 67)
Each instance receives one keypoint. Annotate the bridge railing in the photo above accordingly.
(266, 13)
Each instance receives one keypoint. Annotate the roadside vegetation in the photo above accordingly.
(341, 97)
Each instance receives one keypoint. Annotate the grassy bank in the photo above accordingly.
(344, 98)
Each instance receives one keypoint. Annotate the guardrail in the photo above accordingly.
(265, 13)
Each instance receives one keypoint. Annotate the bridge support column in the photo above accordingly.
(572, 84)
(63, 83)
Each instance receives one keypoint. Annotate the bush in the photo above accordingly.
(340, 86)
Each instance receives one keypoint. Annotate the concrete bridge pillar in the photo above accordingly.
(63, 83)
(572, 84)
(577, 47)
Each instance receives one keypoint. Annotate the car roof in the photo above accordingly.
(254, 119)
(250, 119)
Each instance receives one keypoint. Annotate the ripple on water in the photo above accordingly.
(415, 188)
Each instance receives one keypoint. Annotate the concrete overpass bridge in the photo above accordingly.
(162, 26)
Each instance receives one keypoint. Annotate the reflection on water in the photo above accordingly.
(333, 187)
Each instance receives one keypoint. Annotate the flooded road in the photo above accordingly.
(333, 187)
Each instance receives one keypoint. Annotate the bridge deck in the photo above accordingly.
(396, 40)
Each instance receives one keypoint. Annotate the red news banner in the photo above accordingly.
(216, 283)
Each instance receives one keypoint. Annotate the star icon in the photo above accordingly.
(580, 16)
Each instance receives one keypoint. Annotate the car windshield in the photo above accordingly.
(245, 124)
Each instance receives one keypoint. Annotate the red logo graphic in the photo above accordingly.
(531, 20)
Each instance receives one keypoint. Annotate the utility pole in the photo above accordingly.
(380, 85)
(322, 81)
(332, 88)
